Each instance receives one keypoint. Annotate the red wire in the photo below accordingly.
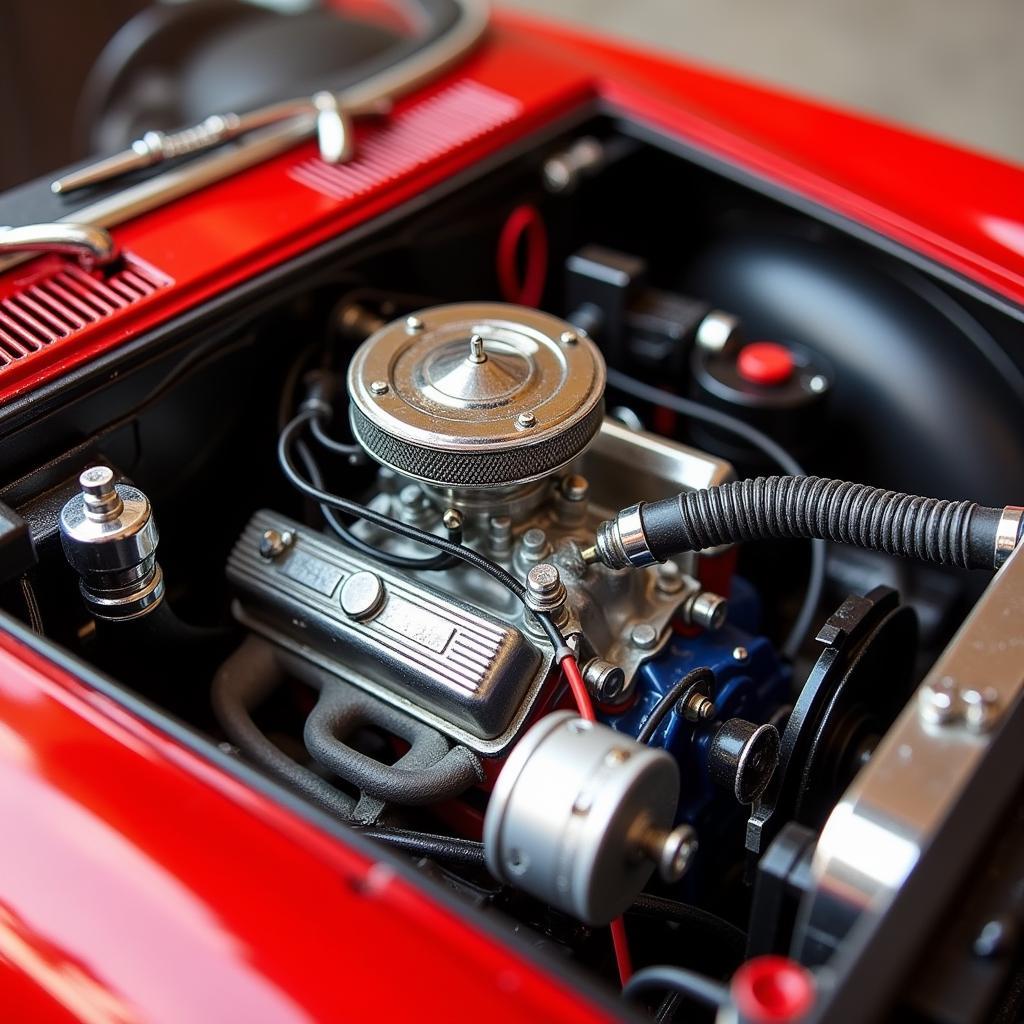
(580, 693)
(620, 943)
(523, 222)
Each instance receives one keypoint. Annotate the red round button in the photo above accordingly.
(766, 363)
(772, 990)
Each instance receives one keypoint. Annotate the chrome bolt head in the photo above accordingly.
(980, 709)
(273, 543)
(379, 387)
(644, 636)
(939, 702)
(740, 654)
(525, 420)
(569, 338)
(413, 324)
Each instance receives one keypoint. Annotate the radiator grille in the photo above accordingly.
(58, 306)
(422, 133)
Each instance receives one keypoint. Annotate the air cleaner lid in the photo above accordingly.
(476, 394)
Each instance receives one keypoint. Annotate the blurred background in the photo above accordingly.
(949, 67)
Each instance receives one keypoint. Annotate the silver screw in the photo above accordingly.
(981, 709)
(274, 543)
(413, 324)
(818, 384)
(100, 498)
(939, 702)
(699, 708)
(575, 487)
(740, 654)
(643, 635)
(379, 387)
(545, 591)
(452, 519)
(569, 337)
(476, 350)
(671, 851)
(526, 420)
(535, 543)
(499, 535)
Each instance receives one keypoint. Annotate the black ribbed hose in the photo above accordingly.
(957, 533)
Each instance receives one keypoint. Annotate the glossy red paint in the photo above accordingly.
(140, 882)
(961, 209)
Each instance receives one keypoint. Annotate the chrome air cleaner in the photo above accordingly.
(476, 395)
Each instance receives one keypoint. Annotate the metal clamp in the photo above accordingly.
(1008, 534)
(91, 246)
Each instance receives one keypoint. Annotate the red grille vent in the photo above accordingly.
(59, 305)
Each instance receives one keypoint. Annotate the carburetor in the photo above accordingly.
(494, 414)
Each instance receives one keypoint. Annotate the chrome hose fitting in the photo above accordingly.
(621, 543)
(110, 538)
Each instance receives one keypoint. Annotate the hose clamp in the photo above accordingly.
(622, 543)
(1008, 533)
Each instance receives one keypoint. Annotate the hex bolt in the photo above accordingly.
(452, 520)
(740, 654)
(545, 591)
(569, 338)
(275, 543)
(525, 420)
(672, 851)
(413, 324)
(379, 387)
(709, 611)
(101, 502)
(605, 681)
(644, 636)
(939, 702)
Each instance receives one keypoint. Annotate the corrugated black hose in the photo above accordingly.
(955, 533)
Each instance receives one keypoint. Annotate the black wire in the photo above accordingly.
(669, 699)
(667, 1010)
(353, 452)
(678, 979)
(290, 435)
(407, 562)
(447, 849)
(774, 451)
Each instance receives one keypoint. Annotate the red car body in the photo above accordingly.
(141, 881)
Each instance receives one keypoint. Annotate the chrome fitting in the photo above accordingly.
(110, 538)
(1008, 534)
(545, 591)
(621, 543)
(706, 610)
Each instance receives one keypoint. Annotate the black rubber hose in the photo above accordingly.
(956, 533)
(447, 849)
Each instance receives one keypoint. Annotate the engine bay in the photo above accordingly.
(497, 533)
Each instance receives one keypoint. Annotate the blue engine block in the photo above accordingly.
(754, 687)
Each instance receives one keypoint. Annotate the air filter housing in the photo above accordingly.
(476, 395)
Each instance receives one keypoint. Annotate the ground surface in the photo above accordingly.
(950, 67)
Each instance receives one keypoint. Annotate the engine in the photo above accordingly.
(519, 542)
